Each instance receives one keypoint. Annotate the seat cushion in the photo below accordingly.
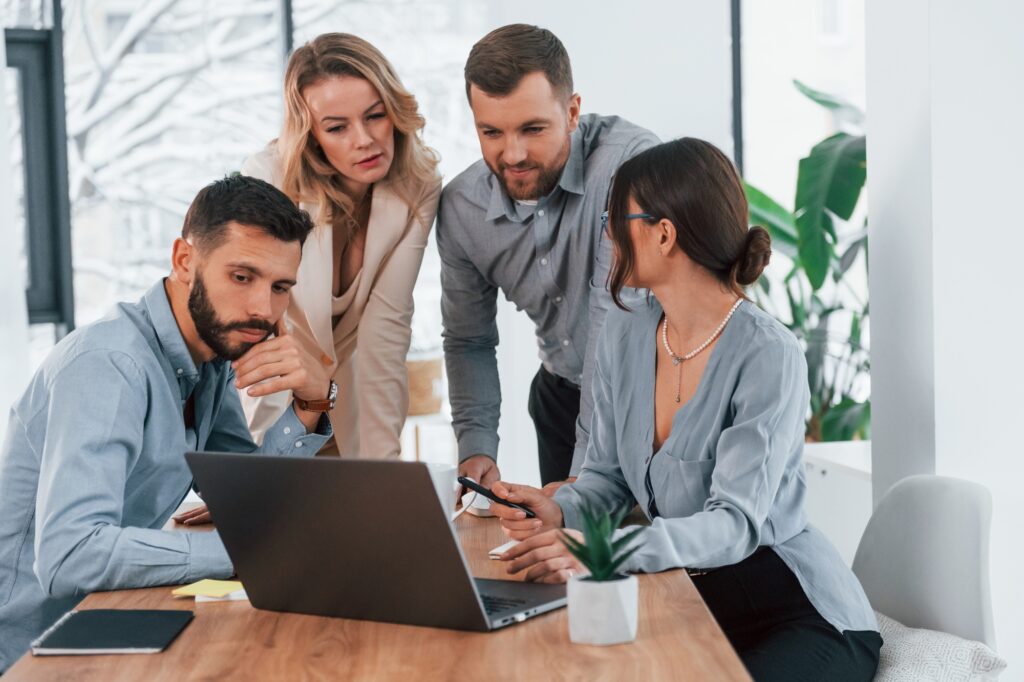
(928, 655)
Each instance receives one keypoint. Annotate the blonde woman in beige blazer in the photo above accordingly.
(350, 154)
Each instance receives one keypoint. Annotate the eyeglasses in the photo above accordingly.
(628, 216)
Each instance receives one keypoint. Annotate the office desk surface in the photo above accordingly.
(677, 639)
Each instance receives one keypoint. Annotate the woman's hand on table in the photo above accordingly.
(545, 558)
(194, 517)
(513, 521)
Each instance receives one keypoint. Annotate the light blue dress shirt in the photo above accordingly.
(93, 466)
(730, 476)
(549, 259)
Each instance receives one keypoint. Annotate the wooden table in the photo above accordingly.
(677, 639)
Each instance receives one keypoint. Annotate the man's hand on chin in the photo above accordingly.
(282, 364)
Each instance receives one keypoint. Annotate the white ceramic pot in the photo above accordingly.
(603, 612)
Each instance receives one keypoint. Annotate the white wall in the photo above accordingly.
(671, 75)
(944, 169)
(13, 317)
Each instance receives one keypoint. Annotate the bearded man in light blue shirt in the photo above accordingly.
(93, 462)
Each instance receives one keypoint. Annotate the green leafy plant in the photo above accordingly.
(822, 309)
(598, 552)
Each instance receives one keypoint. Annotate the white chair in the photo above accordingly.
(923, 562)
(923, 558)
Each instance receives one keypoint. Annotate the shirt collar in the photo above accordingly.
(572, 180)
(167, 331)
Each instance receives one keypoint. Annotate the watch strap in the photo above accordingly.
(325, 405)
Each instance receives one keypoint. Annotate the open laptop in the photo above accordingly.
(357, 539)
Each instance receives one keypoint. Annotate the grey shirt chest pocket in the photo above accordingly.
(681, 487)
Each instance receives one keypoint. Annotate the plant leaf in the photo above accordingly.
(797, 308)
(621, 560)
(830, 178)
(854, 341)
(838, 169)
(817, 343)
(777, 220)
(849, 256)
(624, 541)
(576, 548)
(832, 102)
(845, 420)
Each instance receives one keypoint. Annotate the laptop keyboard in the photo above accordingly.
(494, 605)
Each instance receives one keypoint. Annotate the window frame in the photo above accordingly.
(38, 56)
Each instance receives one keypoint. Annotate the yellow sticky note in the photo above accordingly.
(208, 588)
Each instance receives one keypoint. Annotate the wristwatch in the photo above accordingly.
(319, 405)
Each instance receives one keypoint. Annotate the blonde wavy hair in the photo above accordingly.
(307, 175)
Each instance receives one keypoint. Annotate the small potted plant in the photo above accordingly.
(603, 604)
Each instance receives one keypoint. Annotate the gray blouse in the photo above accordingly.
(730, 477)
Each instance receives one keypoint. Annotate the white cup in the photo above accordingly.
(445, 479)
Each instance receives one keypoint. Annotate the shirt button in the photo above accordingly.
(287, 430)
(541, 213)
(179, 372)
(565, 342)
(558, 299)
(298, 443)
(543, 261)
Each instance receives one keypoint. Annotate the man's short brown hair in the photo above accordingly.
(504, 56)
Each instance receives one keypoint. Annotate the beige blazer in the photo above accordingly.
(366, 351)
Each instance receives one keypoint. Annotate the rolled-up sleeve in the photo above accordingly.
(94, 435)
(468, 312)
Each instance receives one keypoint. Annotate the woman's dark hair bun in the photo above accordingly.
(756, 254)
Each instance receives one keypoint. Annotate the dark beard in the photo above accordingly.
(547, 178)
(212, 331)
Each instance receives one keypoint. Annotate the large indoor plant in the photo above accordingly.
(602, 605)
(822, 245)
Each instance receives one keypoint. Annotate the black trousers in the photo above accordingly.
(554, 406)
(775, 629)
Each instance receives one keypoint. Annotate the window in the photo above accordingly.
(35, 102)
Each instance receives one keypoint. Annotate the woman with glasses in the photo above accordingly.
(699, 407)
(350, 153)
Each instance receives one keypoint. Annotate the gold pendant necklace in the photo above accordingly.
(678, 360)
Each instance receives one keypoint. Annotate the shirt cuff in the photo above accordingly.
(566, 498)
(478, 443)
(207, 557)
(288, 435)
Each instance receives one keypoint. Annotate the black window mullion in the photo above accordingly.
(49, 295)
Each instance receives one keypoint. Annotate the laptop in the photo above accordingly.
(359, 539)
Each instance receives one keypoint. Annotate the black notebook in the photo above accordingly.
(110, 631)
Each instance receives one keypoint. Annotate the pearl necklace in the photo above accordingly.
(678, 360)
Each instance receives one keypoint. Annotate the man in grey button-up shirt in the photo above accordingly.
(525, 219)
(93, 461)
